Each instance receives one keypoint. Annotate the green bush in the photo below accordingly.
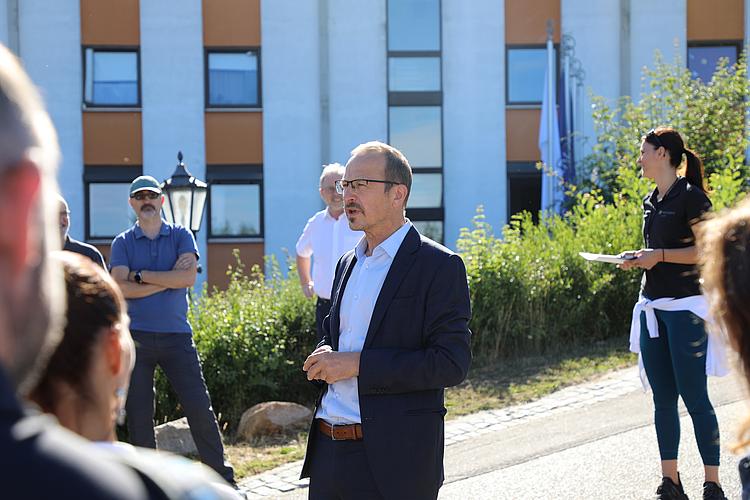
(252, 339)
(530, 290)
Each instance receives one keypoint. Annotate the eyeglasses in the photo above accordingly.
(356, 184)
(652, 134)
(149, 195)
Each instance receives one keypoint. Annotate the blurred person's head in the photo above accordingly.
(31, 299)
(327, 187)
(86, 379)
(64, 217)
(724, 243)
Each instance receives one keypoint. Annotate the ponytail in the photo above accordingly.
(694, 170)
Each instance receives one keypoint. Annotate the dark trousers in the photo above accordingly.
(176, 354)
(675, 364)
(339, 471)
(322, 308)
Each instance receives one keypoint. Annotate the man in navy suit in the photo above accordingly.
(396, 336)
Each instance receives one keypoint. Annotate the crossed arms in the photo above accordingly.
(182, 275)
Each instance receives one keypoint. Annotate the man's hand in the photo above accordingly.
(307, 289)
(331, 366)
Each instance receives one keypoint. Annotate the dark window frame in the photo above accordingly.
(523, 170)
(104, 174)
(111, 48)
(230, 50)
(249, 174)
(508, 49)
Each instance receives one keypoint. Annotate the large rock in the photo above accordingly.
(272, 417)
(175, 436)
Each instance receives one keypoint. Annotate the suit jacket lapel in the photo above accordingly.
(336, 305)
(399, 268)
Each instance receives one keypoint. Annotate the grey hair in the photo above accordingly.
(330, 169)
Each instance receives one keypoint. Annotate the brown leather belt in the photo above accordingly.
(350, 432)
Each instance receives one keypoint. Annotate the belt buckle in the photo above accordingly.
(333, 432)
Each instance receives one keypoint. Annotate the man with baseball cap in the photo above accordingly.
(155, 263)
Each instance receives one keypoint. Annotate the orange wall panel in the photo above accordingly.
(231, 23)
(526, 20)
(112, 138)
(522, 133)
(220, 257)
(234, 138)
(715, 20)
(110, 22)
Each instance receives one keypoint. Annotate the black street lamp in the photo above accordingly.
(185, 197)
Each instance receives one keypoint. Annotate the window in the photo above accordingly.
(433, 229)
(703, 59)
(413, 25)
(524, 189)
(417, 132)
(525, 69)
(426, 190)
(413, 74)
(235, 201)
(233, 79)
(111, 78)
(106, 199)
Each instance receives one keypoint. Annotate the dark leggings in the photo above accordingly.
(675, 364)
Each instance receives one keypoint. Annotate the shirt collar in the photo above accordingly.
(164, 231)
(390, 245)
(677, 188)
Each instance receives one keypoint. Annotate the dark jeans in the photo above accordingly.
(322, 308)
(176, 354)
(675, 364)
(339, 470)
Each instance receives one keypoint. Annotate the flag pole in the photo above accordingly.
(550, 112)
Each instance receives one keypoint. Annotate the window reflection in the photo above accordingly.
(526, 68)
(109, 212)
(414, 74)
(233, 79)
(433, 229)
(413, 25)
(111, 78)
(235, 210)
(702, 61)
(416, 131)
(426, 191)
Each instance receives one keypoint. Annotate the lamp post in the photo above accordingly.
(185, 198)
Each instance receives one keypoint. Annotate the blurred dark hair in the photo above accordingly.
(671, 140)
(724, 244)
(95, 303)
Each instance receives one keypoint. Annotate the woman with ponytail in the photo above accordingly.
(668, 320)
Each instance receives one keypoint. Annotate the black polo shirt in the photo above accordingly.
(667, 224)
(89, 251)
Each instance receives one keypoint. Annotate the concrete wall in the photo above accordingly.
(172, 79)
(357, 76)
(50, 49)
(666, 33)
(473, 113)
(291, 120)
(596, 27)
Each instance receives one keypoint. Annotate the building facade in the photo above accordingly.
(258, 94)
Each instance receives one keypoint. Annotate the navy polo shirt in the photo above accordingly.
(668, 224)
(166, 311)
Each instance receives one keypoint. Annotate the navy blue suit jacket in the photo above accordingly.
(417, 344)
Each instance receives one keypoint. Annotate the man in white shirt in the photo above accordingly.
(396, 336)
(327, 237)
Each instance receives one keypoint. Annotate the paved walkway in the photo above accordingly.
(285, 479)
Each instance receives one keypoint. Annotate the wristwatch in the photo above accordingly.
(138, 278)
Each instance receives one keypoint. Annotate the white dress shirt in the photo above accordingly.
(327, 239)
(340, 405)
(716, 356)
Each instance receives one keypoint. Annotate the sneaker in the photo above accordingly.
(667, 490)
(712, 491)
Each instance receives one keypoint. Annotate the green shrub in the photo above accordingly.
(252, 339)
